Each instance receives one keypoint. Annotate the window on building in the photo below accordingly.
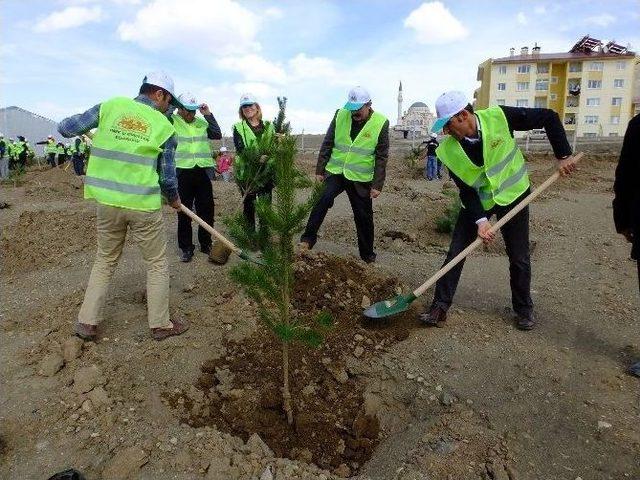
(500, 101)
(621, 65)
(575, 66)
(594, 84)
(502, 86)
(596, 66)
(553, 97)
(616, 101)
(524, 68)
(542, 68)
(615, 120)
(591, 119)
(590, 135)
(542, 84)
(523, 102)
(554, 80)
(540, 103)
(618, 83)
(593, 102)
(502, 69)
(613, 134)
(521, 86)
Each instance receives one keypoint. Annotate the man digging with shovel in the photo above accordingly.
(490, 172)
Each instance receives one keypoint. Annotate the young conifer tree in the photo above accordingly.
(280, 221)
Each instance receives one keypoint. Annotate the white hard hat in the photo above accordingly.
(189, 101)
(247, 99)
(357, 97)
(162, 80)
(223, 149)
(447, 105)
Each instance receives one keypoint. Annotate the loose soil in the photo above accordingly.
(242, 390)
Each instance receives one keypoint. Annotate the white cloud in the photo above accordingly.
(540, 10)
(223, 28)
(252, 67)
(303, 67)
(70, 17)
(521, 18)
(274, 12)
(434, 24)
(602, 20)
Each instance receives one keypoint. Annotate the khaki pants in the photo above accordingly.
(147, 230)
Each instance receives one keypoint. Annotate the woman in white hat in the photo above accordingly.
(246, 133)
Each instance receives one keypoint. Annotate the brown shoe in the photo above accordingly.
(180, 325)
(85, 331)
(434, 318)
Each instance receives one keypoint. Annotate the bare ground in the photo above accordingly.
(474, 400)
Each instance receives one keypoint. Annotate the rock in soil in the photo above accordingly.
(50, 364)
(72, 348)
(125, 464)
(86, 378)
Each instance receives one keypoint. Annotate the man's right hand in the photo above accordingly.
(484, 232)
(176, 203)
(320, 178)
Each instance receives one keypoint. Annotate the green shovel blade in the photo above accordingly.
(387, 308)
(245, 256)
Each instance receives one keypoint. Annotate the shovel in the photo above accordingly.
(401, 303)
(230, 246)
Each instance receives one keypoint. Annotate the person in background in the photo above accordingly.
(50, 151)
(78, 153)
(432, 159)
(626, 203)
(224, 163)
(4, 159)
(246, 133)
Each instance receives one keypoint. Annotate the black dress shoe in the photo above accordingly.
(186, 255)
(206, 250)
(435, 317)
(525, 322)
(635, 369)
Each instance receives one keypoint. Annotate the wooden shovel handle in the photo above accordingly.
(210, 229)
(478, 241)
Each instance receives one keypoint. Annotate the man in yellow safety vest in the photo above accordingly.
(131, 167)
(352, 158)
(490, 173)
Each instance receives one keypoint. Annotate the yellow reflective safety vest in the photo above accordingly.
(194, 147)
(51, 147)
(249, 139)
(355, 159)
(503, 177)
(122, 169)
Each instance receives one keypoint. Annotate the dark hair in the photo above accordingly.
(469, 108)
(148, 89)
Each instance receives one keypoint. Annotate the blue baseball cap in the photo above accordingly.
(447, 105)
(358, 97)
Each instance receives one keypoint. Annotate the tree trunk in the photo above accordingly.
(286, 394)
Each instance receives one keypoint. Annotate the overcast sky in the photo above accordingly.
(60, 57)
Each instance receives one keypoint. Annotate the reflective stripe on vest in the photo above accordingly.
(122, 169)
(194, 147)
(355, 159)
(503, 177)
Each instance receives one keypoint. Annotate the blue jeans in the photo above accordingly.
(430, 167)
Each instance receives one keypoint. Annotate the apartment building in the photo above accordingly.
(593, 87)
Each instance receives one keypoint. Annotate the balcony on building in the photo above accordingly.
(575, 67)
(569, 121)
(571, 104)
(574, 86)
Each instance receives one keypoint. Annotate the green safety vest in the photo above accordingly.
(355, 159)
(249, 139)
(122, 169)
(60, 150)
(50, 147)
(194, 148)
(503, 177)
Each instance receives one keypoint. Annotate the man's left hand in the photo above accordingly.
(374, 193)
(204, 109)
(567, 166)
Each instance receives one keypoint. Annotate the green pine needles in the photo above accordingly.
(279, 222)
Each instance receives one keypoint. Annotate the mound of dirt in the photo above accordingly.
(53, 183)
(241, 391)
(46, 238)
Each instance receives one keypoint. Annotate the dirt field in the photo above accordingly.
(475, 400)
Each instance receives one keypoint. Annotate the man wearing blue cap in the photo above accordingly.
(131, 167)
(352, 158)
(489, 170)
(194, 165)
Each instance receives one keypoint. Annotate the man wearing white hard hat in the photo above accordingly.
(194, 165)
(131, 167)
(489, 169)
(4, 159)
(352, 158)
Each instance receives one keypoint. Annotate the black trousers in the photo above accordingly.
(195, 187)
(516, 239)
(51, 159)
(362, 207)
(249, 203)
